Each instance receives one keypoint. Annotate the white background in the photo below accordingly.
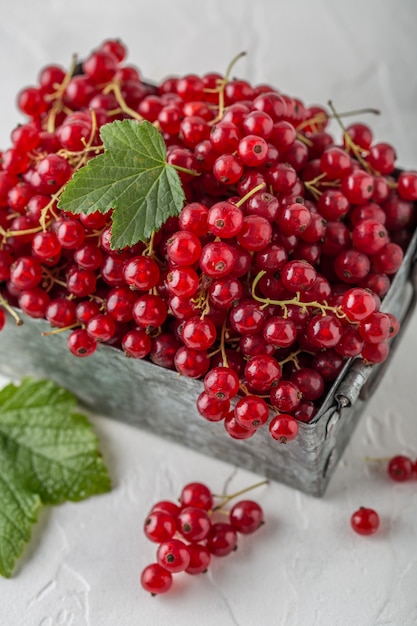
(305, 567)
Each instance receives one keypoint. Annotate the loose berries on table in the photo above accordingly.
(193, 531)
(268, 280)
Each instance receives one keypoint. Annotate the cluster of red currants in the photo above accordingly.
(188, 536)
(269, 280)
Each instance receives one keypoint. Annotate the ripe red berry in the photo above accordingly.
(221, 539)
(193, 523)
(173, 555)
(159, 526)
(196, 495)
(283, 427)
(365, 521)
(156, 579)
(400, 468)
(246, 516)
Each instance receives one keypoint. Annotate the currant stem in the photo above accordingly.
(185, 170)
(10, 309)
(350, 144)
(115, 88)
(323, 307)
(232, 64)
(60, 330)
(226, 499)
(320, 118)
(57, 96)
(292, 357)
(222, 85)
(250, 193)
(222, 346)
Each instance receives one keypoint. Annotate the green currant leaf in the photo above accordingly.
(18, 512)
(48, 454)
(133, 178)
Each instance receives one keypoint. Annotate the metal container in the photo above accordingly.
(159, 400)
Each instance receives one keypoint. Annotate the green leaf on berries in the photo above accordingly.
(133, 178)
(48, 454)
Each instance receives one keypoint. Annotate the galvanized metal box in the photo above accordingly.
(158, 400)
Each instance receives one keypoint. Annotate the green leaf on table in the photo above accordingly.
(48, 454)
(133, 178)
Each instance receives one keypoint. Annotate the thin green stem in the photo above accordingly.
(185, 170)
(10, 309)
(323, 307)
(250, 193)
(226, 499)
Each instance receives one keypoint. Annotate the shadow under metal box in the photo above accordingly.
(156, 399)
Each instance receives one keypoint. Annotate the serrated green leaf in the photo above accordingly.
(48, 454)
(133, 178)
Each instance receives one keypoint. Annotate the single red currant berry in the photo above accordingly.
(196, 495)
(360, 134)
(358, 187)
(280, 332)
(235, 430)
(193, 218)
(156, 579)
(369, 236)
(388, 259)
(141, 272)
(228, 169)
(149, 311)
(34, 302)
(381, 158)
(101, 327)
(212, 409)
(246, 516)
(253, 151)
(80, 343)
(407, 185)
(294, 218)
(365, 521)
(251, 412)
(247, 318)
(173, 555)
(200, 558)
(221, 383)
(285, 396)
(198, 333)
(375, 327)
(224, 219)
(193, 523)
(221, 539)
(298, 275)
(159, 526)
(324, 331)
(357, 304)
(217, 259)
(335, 163)
(261, 372)
(283, 428)
(255, 233)
(400, 468)
(190, 362)
(183, 248)
(375, 352)
(136, 343)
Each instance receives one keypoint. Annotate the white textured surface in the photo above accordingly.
(305, 567)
